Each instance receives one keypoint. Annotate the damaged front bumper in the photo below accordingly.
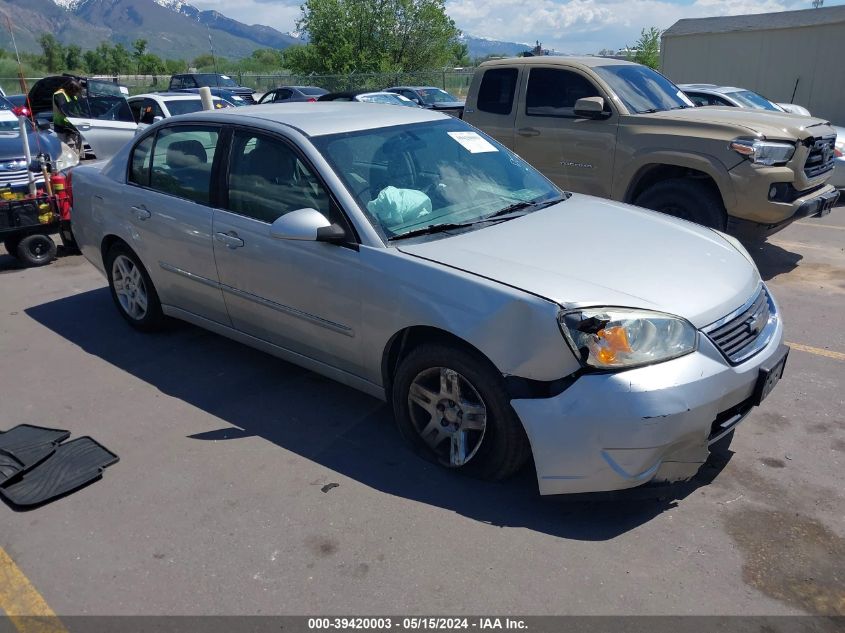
(619, 430)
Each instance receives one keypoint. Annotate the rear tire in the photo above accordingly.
(36, 250)
(687, 199)
(452, 405)
(132, 289)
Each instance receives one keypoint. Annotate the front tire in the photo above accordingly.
(36, 250)
(452, 405)
(687, 199)
(132, 289)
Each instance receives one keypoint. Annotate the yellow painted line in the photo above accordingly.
(822, 226)
(21, 602)
(818, 351)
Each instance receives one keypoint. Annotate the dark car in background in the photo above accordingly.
(221, 86)
(432, 98)
(291, 94)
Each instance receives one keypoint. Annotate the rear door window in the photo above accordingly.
(553, 92)
(182, 160)
(498, 86)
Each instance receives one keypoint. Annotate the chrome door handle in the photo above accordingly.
(230, 239)
(141, 213)
(528, 131)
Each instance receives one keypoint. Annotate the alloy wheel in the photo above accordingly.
(129, 287)
(448, 413)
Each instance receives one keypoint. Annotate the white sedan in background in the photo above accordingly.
(155, 106)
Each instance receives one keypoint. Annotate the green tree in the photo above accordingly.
(204, 61)
(52, 52)
(73, 57)
(460, 54)
(139, 49)
(372, 36)
(120, 60)
(174, 66)
(647, 48)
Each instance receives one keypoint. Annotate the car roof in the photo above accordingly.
(414, 88)
(173, 96)
(321, 118)
(710, 88)
(569, 60)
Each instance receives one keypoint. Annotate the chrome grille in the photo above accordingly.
(745, 332)
(821, 157)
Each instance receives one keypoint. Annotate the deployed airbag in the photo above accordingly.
(395, 206)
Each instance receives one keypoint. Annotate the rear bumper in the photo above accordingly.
(620, 430)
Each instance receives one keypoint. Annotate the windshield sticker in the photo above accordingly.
(473, 142)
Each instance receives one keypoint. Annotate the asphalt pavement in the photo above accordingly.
(249, 486)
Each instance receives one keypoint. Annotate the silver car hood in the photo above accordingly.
(592, 252)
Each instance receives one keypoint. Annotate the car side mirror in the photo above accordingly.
(306, 225)
(43, 125)
(590, 108)
(158, 118)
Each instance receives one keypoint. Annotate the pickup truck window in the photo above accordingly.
(495, 95)
(642, 89)
(553, 92)
(182, 160)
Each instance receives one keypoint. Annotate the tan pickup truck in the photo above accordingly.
(620, 130)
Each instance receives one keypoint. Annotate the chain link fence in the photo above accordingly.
(455, 82)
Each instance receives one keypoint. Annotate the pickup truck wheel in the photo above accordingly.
(453, 407)
(132, 289)
(686, 199)
(36, 250)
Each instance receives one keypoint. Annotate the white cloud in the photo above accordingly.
(581, 26)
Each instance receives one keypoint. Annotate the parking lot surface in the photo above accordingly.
(249, 486)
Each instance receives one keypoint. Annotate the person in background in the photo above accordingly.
(66, 103)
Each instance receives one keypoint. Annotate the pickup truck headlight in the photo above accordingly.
(616, 338)
(764, 152)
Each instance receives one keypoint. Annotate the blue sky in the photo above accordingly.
(572, 26)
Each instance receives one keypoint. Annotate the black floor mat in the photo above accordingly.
(25, 446)
(73, 465)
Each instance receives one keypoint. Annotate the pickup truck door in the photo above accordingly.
(490, 106)
(303, 296)
(575, 153)
(166, 204)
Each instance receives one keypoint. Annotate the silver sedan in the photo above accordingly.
(406, 254)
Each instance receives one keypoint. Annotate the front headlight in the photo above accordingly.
(764, 152)
(68, 158)
(614, 338)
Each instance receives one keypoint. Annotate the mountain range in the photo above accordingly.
(172, 28)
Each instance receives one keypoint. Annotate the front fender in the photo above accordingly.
(640, 162)
(517, 331)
